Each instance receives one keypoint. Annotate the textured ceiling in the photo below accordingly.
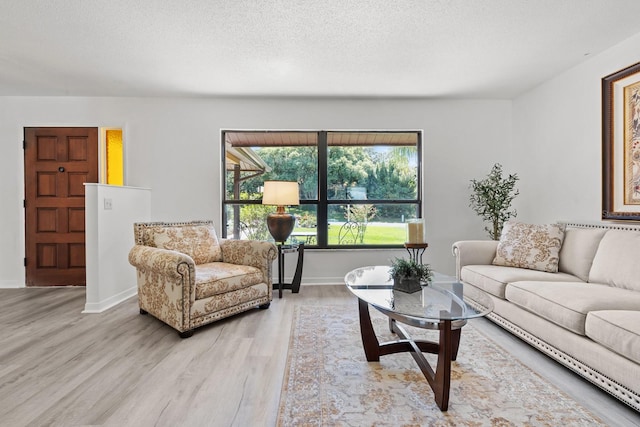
(421, 48)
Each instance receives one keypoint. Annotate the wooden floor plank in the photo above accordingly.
(61, 367)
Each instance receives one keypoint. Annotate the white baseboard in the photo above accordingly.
(99, 307)
(11, 284)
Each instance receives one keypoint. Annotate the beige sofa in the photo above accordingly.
(187, 277)
(586, 315)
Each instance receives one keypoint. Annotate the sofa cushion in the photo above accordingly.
(618, 330)
(219, 277)
(494, 279)
(578, 249)
(531, 246)
(567, 303)
(200, 242)
(616, 261)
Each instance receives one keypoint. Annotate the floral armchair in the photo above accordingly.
(187, 277)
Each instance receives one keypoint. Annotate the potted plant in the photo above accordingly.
(408, 274)
(491, 199)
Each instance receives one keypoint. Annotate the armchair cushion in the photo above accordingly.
(220, 277)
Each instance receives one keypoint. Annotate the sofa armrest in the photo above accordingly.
(256, 253)
(474, 252)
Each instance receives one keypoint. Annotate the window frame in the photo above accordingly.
(323, 202)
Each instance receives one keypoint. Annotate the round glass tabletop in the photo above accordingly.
(442, 299)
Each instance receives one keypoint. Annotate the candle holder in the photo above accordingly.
(415, 251)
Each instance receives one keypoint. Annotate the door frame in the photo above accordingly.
(21, 247)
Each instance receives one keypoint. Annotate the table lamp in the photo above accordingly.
(280, 193)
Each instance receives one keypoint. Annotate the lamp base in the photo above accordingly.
(280, 225)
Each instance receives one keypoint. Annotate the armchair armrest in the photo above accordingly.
(162, 261)
(166, 284)
(474, 252)
(256, 253)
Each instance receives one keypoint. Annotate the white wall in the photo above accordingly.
(109, 237)
(557, 139)
(173, 147)
(551, 137)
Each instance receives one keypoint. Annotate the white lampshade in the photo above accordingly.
(280, 193)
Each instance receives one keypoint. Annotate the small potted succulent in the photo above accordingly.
(408, 275)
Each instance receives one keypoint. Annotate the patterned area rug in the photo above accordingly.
(328, 381)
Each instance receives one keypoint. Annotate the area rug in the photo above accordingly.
(328, 381)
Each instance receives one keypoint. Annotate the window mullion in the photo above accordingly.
(322, 223)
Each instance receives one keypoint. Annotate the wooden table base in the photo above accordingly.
(446, 349)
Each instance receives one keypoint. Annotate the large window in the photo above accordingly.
(357, 189)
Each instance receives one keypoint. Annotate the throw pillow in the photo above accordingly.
(531, 246)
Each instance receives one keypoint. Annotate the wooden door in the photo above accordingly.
(57, 162)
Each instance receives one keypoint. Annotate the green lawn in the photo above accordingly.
(374, 235)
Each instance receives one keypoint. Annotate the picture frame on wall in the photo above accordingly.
(621, 145)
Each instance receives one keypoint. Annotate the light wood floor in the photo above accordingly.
(62, 368)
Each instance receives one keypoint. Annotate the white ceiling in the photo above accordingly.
(366, 48)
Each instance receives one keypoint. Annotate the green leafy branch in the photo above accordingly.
(491, 199)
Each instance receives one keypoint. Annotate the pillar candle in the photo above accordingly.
(415, 231)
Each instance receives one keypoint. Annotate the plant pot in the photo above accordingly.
(408, 284)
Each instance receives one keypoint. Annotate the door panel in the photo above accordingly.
(58, 161)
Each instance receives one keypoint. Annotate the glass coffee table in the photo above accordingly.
(439, 305)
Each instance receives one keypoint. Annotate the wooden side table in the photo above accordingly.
(297, 277)
(416, 250)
